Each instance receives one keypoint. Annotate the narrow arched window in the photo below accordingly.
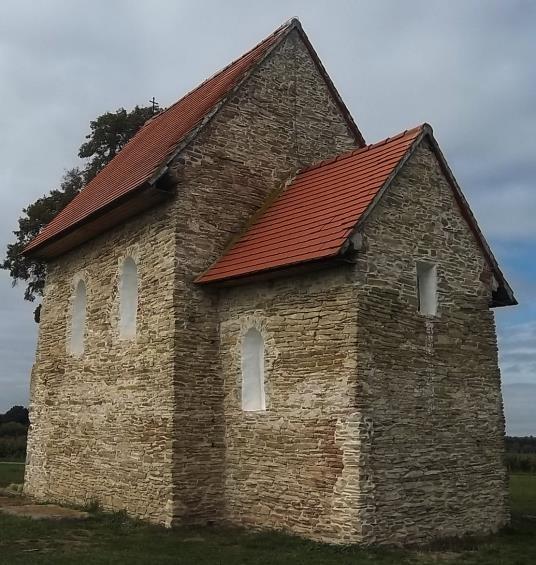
(78, 319)
(128, 298)
(427, 288)
(253, 371)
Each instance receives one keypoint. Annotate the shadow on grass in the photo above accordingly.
(113, 538)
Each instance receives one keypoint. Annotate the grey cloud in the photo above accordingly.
(464, 66)
(18, 334)
(519, 402)
(508, 211)
(517, 353)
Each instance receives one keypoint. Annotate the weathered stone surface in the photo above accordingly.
(430, 387)
(101, 424)
(282, 119)
(140, 425)
(381, 425)
(294, 465)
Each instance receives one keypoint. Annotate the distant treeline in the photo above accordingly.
(13, 433)
(521, 454)
(525, 444)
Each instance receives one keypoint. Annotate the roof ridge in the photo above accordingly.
(110, 184)
(286, 26)
(359, 150)
(283, 27)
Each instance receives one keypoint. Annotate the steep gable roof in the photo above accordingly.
(316, 214)
(144, 159)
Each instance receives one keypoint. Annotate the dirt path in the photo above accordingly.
(16, 505)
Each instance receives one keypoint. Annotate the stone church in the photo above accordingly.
(252, 317)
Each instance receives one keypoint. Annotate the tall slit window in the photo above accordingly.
(427, 288)
(78, 319)
(128, 298)
(253, 371)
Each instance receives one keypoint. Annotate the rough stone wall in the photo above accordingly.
(101, 424)
(429, 388)
(281, 119)
(381, 425)
(140, 426)
(295, 465)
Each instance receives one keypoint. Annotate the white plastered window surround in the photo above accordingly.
(253, 396)
(78, 318)
(427, 288)
(128, 298)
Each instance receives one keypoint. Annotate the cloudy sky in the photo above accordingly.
(466, 67)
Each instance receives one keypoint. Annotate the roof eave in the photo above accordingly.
(140, 200)
(300, 267)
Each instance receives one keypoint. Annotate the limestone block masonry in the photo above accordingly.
(430, 387)
(139, 425)
(295, 465)
(101, 424)
(381, 425)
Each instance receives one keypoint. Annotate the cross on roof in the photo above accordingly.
(154, 104)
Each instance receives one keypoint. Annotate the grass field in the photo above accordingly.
(11, 473)
(112, 539)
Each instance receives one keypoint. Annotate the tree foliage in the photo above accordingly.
(34, 217)
(108, 135)
(17, 414)
(13, 433)
(518, 444)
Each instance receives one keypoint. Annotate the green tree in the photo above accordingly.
(108, 135)
(17, 414)
(34, 217)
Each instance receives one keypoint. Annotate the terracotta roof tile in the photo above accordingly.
(316, 213)
(142, 157)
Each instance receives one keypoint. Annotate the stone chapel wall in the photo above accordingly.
(429, 387)
(281, 119)
(139, 425)
(101, 423)
(295, 466)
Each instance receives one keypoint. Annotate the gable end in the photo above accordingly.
(502, 294)
(146, 157)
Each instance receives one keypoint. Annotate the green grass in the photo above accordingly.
(113, 539)
(523, 495)
(11, 473)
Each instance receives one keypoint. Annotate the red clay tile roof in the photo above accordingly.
(316, 213)
(143, 157)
